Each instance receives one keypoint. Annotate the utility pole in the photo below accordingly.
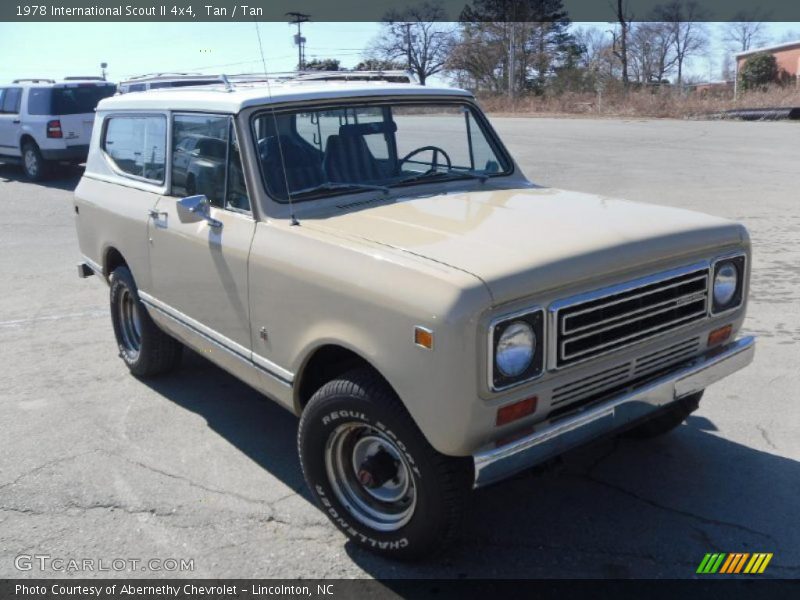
(511, 59)
(103, 67)
(408, 45)
(298, 19)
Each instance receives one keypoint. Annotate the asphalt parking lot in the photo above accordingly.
(97, 464)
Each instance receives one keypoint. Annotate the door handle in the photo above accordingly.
(16, 121)
(156, 214)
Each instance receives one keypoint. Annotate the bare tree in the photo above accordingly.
(417, 36)
(651, 51)
(746, 33)
(689, 34)
(621, 38)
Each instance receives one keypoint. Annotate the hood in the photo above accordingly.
(509, 238)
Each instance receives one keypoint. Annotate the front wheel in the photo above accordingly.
(374, 474)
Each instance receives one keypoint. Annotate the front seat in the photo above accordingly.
(303, 165)
(349, 160)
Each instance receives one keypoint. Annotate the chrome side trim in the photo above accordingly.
(98, 270)
(555, 437)
(225, 343)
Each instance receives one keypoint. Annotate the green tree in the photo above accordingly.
(378, 64)
(522, 43)
(759, 71)
(322, 64)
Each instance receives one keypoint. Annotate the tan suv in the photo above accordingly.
(369, 256)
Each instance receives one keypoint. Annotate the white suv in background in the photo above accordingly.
(43, 121)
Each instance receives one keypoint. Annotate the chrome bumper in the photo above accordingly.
(554, 438)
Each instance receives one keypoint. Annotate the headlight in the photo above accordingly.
(725, 283)
(515, 349)
(728, 283)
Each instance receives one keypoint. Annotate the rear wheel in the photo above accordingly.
(36, 168)
(145, 349)
(667, 420)
(374, 474)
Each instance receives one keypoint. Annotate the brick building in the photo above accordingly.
(787, 56)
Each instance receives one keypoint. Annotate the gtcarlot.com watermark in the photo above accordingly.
(59, 564)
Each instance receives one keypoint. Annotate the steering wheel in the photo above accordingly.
(436, 152)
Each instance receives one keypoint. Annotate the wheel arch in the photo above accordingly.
(112, 258)
(324, 363)
(24, 139)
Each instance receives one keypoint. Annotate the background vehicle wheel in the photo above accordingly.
(36, 168)
(667, 420)
(374, 474)
(142, 345)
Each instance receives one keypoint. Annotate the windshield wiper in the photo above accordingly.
(447, 174)
(333, 185)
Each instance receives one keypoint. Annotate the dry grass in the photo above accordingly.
(664, 103)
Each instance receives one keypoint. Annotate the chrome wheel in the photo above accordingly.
(31, 162)
(130, 324)
(370, 476)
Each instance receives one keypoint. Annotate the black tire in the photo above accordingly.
(667, 420)
(35, 166)
(362, 401)
(145, 349)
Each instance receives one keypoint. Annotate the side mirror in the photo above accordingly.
(195, 204)
(199, 205)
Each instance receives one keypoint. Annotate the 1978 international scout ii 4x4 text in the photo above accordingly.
(369, 256)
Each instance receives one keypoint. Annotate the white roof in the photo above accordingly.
(218, 98)
(783, 46)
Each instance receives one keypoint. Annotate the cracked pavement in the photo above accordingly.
(97, 464)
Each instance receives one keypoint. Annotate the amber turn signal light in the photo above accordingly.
(423, 337)
(719, 335)
(513, 412)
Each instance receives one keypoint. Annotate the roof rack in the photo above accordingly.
(393, 75)
(82, 78)
(168, 74)
(34, 80)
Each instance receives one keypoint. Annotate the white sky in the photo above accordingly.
(56, 50)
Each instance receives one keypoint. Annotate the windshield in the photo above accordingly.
(339, 150)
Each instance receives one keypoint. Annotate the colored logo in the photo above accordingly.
(734, 563)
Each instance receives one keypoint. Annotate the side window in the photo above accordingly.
(236, 195)
(200, 151)
(206, 160)
(2, 93)
(11, 99)
(137, 145)
(40, 101)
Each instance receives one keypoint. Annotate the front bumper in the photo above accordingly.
(553, 438)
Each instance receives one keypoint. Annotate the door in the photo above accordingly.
(198, 262)
(10, 101)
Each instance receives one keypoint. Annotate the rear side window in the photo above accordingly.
(137, 145)
(40, 101)
(11, 99)
(78, 100)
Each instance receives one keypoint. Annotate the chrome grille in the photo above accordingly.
(666, 358)
(608, 320)
(596, 385)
